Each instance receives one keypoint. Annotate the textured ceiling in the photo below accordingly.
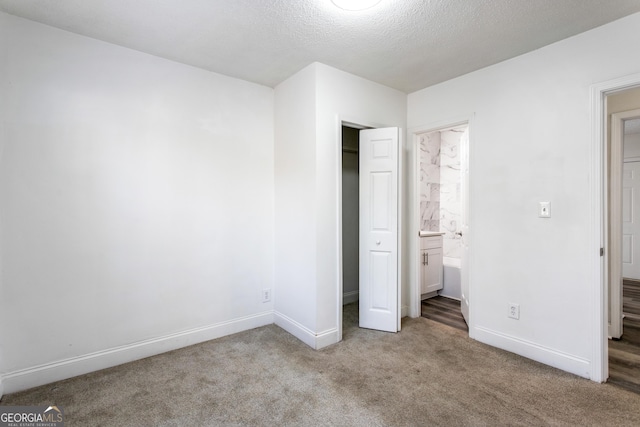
(404, 44)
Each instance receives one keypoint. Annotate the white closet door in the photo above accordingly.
(379, 193)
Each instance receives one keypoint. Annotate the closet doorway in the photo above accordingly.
(370, 224)
(350, 216)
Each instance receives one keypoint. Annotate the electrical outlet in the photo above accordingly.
(514, 311)
(266, 295)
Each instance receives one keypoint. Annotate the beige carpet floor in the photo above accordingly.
(428, 375)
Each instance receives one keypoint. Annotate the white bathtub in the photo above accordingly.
(451, 278)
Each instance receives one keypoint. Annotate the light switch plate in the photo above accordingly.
(545, 210)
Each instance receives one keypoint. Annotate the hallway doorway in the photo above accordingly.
(623, 241)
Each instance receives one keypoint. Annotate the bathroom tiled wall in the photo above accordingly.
(440, 186)
(430, 181)
(450, 191)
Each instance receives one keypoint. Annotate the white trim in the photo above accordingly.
(613, 196)
(349, 297)
(400, 223)
(414, 229)
(632, 159)
(567, 362)
(450, 297)
(599, 281)
(62, 369)
(296, 329)
(1, 388)
(597, 286)
(470, 202)
(441, 125)
(415, 299)
(326, 338)
(339, 254)
(304, 334)
(359, 123)
(428, 295)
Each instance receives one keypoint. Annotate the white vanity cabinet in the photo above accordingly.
(430, 262)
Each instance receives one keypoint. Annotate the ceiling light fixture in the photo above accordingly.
(355, 5)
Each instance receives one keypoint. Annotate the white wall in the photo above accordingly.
(295, 205)
(618, 103)
(136, 204)
(622, 101)
(530, 142)
(342, 96)
(317, 99)
(632, 145)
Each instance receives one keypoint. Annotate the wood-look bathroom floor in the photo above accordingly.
(444, 310)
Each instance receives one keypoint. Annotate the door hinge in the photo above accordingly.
(601, 251)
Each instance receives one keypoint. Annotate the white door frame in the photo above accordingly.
(414, 220)
(614, 200)
(358, 123)
(599, 224)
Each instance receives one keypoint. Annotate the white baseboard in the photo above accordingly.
(349, 297)
(304, 334)
(404, 311)
(1, 388)
(450, 297)
(326, 338)
(566, 362)
(431, 294)
(63, 369)
(296, 329)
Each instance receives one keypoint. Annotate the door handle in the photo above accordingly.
(378, 242)
(427, 254)
(459, 233)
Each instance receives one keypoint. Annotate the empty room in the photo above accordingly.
(240, 212)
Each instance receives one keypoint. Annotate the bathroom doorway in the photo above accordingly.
(442, 194)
